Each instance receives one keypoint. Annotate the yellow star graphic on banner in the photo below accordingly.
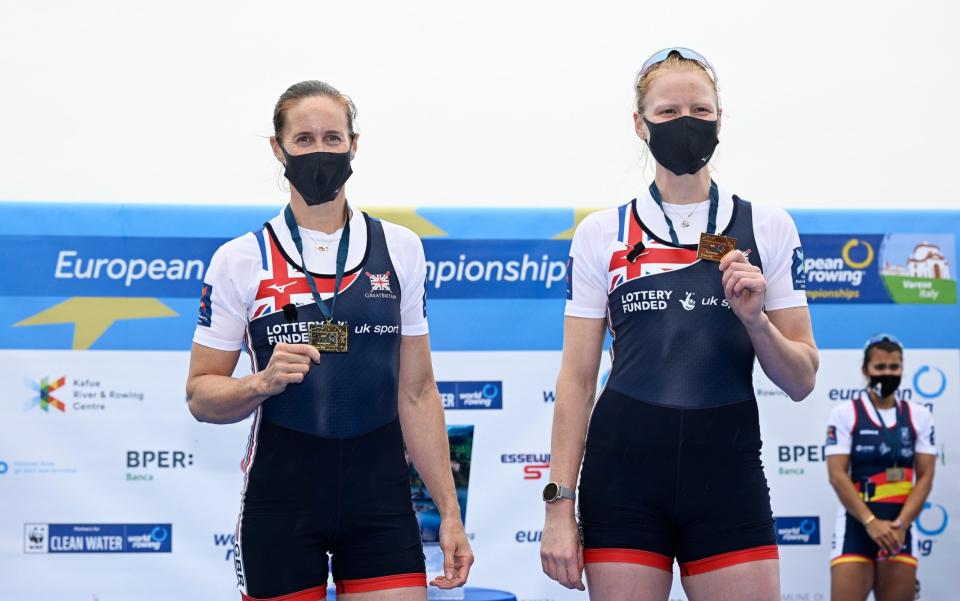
(93, 315)
(407, 218)
(578, 216)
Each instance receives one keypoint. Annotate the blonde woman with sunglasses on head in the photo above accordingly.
(671, 462)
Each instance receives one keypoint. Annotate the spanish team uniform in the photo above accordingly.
(875, 443)
(324, 468)
(672, 462)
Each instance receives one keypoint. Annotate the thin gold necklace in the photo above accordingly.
(324, 246)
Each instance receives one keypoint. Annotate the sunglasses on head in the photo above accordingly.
(662, 55)
(878, 338)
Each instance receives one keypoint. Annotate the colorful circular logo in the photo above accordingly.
(490, 391)
(3, 467)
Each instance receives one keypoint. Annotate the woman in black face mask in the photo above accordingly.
(329, 304)
(881, 458)
(671, 462)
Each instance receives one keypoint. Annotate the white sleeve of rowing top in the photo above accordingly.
(406, 254)
(586, 268)
(840, 430)
(229, 287)
(778, 244)
(923, 423)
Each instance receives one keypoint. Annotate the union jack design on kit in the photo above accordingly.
(282, 284)
(652, 258)
(379, 281)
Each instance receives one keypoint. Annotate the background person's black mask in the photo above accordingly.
(884, 385)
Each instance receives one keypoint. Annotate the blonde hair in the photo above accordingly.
(674, 62)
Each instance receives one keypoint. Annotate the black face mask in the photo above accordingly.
(884, 386)
(318, 176)
(683, 145)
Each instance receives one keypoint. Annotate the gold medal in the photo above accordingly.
(329, 337)
(896, 474)
(714, 246)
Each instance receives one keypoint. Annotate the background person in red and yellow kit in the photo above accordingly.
(881, 456)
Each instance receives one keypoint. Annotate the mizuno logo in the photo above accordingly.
(280, 288)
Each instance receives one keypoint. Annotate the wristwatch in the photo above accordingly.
(554, 491)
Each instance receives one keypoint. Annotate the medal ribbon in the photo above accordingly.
(341, 260)
(711, 218)
(896, 431)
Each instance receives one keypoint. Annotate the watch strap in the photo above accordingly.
(562, 492)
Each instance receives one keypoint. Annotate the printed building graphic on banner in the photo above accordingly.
(461, 454)
(872, 268)
(919, 269)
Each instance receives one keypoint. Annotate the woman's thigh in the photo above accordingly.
(609, 581)
(751, 581)
(896, 581)
(851, 581)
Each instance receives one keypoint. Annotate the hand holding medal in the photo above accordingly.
(288, 364)
(743, 285)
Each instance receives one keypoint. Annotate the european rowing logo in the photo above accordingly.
(929, 382)
(379, 281)
(866, 256)
(45, 398)
(932, 526)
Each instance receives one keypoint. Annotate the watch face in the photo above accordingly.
(550, 492)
